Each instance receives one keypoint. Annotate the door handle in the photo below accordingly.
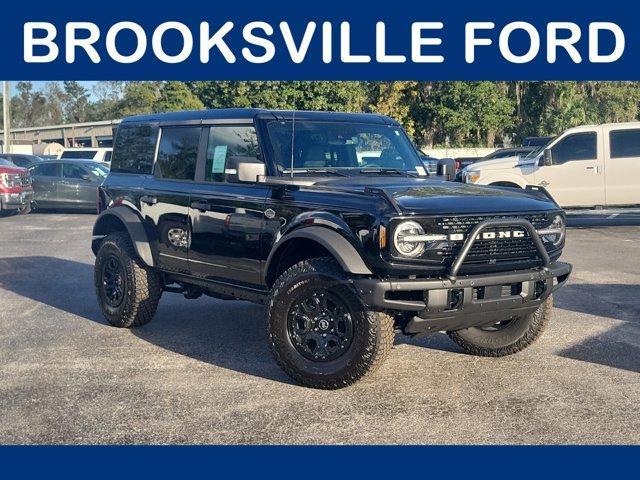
(148, 199)
(594, 169)
(201, 206)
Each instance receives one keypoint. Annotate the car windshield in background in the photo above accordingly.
(339, 146)
(99, 170)
(78, 154)
(6, 163)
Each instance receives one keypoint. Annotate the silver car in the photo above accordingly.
(67, 184)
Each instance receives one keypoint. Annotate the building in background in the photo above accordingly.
(49, 140)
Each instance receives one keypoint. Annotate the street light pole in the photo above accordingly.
(6, 116)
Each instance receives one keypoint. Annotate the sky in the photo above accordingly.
(40, 85)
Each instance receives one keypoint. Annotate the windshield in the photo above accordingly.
(540, 149)
(6, 163)
(78, 154)
(319, 146)
(99, 170)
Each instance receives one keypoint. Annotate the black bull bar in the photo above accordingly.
(455, 302)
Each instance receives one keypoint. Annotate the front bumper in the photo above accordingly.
(12, 201)
(465, 301)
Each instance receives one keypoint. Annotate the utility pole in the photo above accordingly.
(6, 116)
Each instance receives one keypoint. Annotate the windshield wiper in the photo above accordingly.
(387, 170)
(316, 170)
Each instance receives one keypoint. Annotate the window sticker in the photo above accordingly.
(219, 159)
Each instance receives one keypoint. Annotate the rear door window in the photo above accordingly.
(178, 153)
(46, 170)
(625, 143)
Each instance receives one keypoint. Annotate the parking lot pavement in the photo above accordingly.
(200, 372)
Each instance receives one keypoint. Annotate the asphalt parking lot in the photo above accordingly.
(200, 372)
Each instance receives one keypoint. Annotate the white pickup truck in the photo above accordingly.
(595, 165)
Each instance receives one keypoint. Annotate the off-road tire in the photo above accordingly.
(142, 289)
(516, 336)
(373, 332)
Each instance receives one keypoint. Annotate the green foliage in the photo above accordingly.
(177, 96)
(344, 96)
(434, 113)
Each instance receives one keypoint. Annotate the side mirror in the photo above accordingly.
(547, 158)
(447, 168)
(87, 178)
(249, 172)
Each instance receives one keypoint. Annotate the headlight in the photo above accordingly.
(9, 180)
(471, 177)
(555, 232)
(403, 241)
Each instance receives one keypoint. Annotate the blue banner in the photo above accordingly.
(335, 462)
(328, 40)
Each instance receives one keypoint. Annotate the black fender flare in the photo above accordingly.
(134, 227)
(342, 250)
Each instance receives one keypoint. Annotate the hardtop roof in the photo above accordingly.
(251, 113)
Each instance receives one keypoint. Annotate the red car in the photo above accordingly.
(16, 192)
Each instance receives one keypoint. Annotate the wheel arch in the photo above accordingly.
(503, 183)
(310, 242)
(123, 219)
(504, 180)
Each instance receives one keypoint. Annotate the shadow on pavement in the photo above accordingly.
(230, 335)
(618, 347)
(233, 334)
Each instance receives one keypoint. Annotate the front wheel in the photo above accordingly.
(506, 337)
(25, 209)
(319, 331)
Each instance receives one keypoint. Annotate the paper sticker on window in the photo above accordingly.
(219, 159)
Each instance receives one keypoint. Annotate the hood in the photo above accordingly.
(15, 170)
(500, 163)
(427, 196)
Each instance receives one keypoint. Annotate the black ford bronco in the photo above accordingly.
(331, 221)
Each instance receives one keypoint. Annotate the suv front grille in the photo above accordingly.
(494, 250)
(25, 179)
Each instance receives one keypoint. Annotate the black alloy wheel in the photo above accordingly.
(113, 281)
(320, 326)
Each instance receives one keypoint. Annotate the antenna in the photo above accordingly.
(293, 137)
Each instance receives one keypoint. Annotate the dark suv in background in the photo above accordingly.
(330, 220)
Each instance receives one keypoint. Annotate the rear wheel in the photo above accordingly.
(506, 337)
(319, 331)
(127, 291)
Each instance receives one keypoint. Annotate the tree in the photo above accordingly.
(28, 107)
(301, 95)
(77, 102)
(138, 98)
(108, 94)
(177, 96)
(395, 99)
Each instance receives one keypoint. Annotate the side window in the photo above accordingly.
(625, 143)
(228, 146)
(134, 148)
(72, 171)
(46, 170)
(178, 153)
(107, 156)
(579, 146)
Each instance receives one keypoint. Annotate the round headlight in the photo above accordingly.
(555, 232)
(402, 239)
